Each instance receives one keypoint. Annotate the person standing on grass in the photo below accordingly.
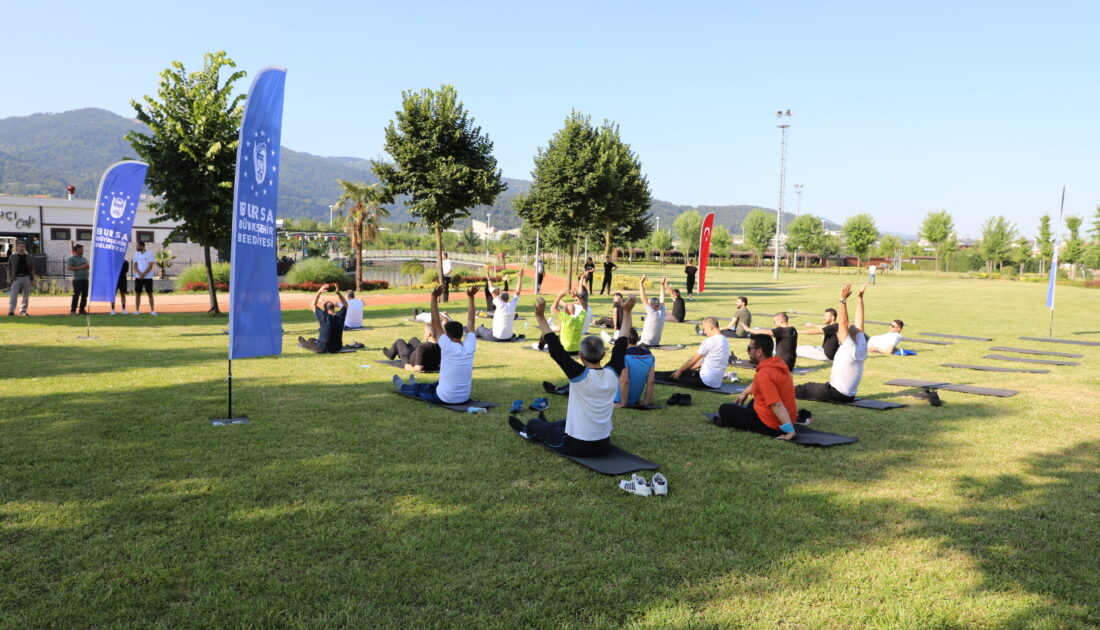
(689, 271)
(20, 278)
(504, 313)
(586, 430)
(872, 271)
(540, 273)
(786, 338)
(417, 355)
(829, 344)
(120, 288)
(774, 408)
(707, 366)
(847, 370)
(608, 267)
(456, 357)
(78, 264)
(354, 319)
(589, 272)
(143, 278)
(654, 315)
(330, 334)
(447, 268)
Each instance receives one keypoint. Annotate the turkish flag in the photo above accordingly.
(704, 249)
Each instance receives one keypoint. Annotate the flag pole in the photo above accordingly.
(1054, 265)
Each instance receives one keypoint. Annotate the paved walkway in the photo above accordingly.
(200, 302)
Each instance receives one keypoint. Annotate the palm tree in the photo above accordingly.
(365, 213)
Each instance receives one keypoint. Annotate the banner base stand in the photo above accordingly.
(221, 422)
(86, 338)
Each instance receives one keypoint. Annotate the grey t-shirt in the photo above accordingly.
(654, 325)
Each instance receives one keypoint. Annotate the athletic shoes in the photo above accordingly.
(111, 313)
(412, 379)
(660, 485)
(636, 485)
(540, 404)
(805, 418)
(930, 395)
(125, 312)
(517, 406)
(698, 330)
(137, 312)
(153, 313)
(679, 399)
(517, 425)
(388, 353)
(397, 382)
(606, 337)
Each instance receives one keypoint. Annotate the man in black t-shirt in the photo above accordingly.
(608, 267)
(679, 310)
(827, 350)
(330, 336)
(589, 272)
(20, 278)
(786, 338)
(417, 355)
(690, 270)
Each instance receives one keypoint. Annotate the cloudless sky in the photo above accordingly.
(981, 108)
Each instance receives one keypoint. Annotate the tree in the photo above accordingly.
(997, 237)
(687, 227)
(829, 246)
(937, 228)
(1045, 241)
(440, 160)
(1074, 250)
(1021, 253)
(662, 242)
(757, 230)
(622, 193)
(192, 152)
(888, 246)
(469, 240)
(365, 213)
(859, 234)
(720, 241)
(805, 234)
(1095, 229)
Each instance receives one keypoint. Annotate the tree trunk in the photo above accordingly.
(439, 252)
(210, 280)
(607, 241)
(572, 260)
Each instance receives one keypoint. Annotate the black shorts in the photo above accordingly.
(145, 284)
(121, 287)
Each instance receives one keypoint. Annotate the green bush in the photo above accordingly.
(316, 271)
(196, 275)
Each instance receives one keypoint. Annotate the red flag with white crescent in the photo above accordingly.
(704, 249)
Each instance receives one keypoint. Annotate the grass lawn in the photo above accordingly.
(344, 505)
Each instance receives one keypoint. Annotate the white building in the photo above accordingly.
(48, 225)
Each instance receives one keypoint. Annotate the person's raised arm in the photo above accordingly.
(555, 308)
(340, 294)
(437, 326)
(859, 307)
(488, 279)
(471, 293)
(540, 316)
(519, 287)
(641, 290)
(618, 351)
(664, 283)
(812, 329)
(317, 298)
(580, 300)
(571, 368)
(842, 314)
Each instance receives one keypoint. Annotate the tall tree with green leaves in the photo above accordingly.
(441, 161)
(1074, 249)
(829, 245)
(1045, 241)
(363, 203)
(757, 231)
(1095, 229)
(721, 242)
(998, 235)
(622, 194)
(860, 233)
(888, 246)
(937, 228)
(191, 148)
(687, 226)
(661, 241)
(804, 234)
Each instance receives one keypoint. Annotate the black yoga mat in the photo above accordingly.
(953, 387)
(991, 368)
(514, 339)
(615, 461)
(927, 334)
(461, 407)
(644, 407)
(726, 388)
(677, 346)
(1069, 341)
(806, 436)
(1047, 353)
(1001, 357)
(868, 403)
(931, 341)
(398, 363)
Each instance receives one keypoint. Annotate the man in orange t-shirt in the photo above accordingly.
(773, 407)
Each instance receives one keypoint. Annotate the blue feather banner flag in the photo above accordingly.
(1054, 261)
(116, 205)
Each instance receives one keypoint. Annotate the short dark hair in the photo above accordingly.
(831, 310)
(618, 295)
(782, 317)
(676, 292)
(765, 343)
(351, 294)
(592, 349)
(453, 330)
(632, 336)
(743, 299)
(900, 323)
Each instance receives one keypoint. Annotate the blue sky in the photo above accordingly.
(978, 108)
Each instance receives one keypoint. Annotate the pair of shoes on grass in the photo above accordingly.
(638, 485)
(540, 404)
(683, 400)
(930, 395)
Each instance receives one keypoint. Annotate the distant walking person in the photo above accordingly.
(120, 289)
(872, 271)
(608, 267)
(540, 272)
(20, 278)
(447, 267)
(689, 271)
(143, 278)
(78, 264)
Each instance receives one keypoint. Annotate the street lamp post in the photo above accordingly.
(331, 209)
(798, 213)
(783, 126)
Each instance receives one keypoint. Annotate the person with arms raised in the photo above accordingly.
(456, 362)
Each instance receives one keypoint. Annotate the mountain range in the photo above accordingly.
(40, 154)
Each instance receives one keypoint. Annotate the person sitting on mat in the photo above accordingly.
(786, 337)
(504, 313)
(654, 315)
(570, 322)
(637, 379)
(827, 350)
(425, 317)
(773, 407)
(616, 314)
(887, 342)
(707, 366)
(354, 319)
(417, 355)
(456, 357)
(330, 335)
(742, 316)
(679, 309)
(847, 370)
(586, 430)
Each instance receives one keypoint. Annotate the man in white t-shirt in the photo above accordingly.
(354, 318)
(447, 267)
(504, 313)
(456, 360)
(143, 277)
(655, 314)
(707, 366)
(847, 370)
(887, 342)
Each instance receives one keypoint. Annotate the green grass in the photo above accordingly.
(343, 505)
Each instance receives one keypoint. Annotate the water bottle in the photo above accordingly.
(476, 410)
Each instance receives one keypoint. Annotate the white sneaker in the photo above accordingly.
(660, 485)
(153, 313)
(636, 485)
(125, 312)
(606, 337)
(137, 312)
(112, 311)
